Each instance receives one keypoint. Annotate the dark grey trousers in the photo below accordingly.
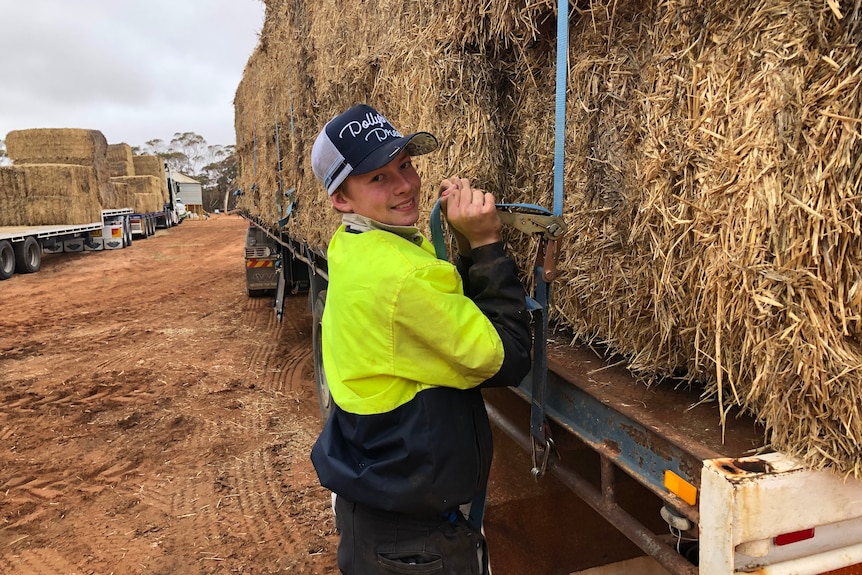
(380, 542)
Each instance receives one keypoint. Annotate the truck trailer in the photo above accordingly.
(731, 505)
(144, 225)
(726, 501)
(21, 247)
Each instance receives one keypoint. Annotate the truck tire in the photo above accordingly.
(324, 399)
(7, 260)
(127, 232)
(28, 256)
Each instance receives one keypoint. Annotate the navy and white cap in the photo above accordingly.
(359, 141)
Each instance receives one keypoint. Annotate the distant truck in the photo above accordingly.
(21, 247)
(173, 212)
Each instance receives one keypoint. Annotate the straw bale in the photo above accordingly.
(30, 194)
(148, 202)
(281, 79)
(122, 195)
(49, 210)
(149, 166)
(25, 181)
(75, 146)
(152, 166)
(120, 160)
(711, 177)
(148, 186)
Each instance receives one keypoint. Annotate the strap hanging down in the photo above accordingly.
(541, 441)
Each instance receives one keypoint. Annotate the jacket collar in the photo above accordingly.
(356, 223)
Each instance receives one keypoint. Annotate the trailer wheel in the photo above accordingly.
(324, 398)
(7, 260)
(28, 256)
(127, 232)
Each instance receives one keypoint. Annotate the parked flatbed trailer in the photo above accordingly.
(19, 233)
(21, 247)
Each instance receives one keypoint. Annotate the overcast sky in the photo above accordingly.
(136, 70)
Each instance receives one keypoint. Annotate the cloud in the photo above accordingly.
(134, 70)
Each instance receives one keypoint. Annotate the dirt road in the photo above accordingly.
(155, 420)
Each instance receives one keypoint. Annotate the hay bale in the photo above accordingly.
(149, 166)
(711, 175)
(120, 160)
(74, 146)
(272, 88)
(123, 195)
(152, 166)
(147, 203)
(33, 195)
(49, 210)
(146, 189)
(27, 181)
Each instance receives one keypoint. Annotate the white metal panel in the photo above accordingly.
(746, 503)
(190, 194)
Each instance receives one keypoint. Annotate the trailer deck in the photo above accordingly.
(18, 233)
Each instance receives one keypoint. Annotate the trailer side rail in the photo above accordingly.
(19, 233)
(315, 260)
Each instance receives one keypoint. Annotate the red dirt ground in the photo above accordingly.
(156, 420)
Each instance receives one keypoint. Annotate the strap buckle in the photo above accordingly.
(541, 453)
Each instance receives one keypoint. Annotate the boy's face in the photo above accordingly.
(389, 194)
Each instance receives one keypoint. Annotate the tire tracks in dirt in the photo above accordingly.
(146, 437)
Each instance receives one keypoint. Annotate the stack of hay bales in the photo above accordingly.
(152, 166)
(121, 165)
(712, 173)
(59, 176)
(120, 160)
(145, 191)
(48, 194)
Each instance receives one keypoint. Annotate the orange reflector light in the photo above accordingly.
(794, 537)
(680, 487)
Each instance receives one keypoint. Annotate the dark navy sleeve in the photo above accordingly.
(490, 279)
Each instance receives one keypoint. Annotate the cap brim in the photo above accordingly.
(416, 144)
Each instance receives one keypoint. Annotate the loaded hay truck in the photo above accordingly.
(156, 192)
(685, 144)
(57, 197)
(172, 213)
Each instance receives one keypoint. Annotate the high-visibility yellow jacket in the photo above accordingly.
(407, 343)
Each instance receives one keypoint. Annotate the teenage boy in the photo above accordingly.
(408, 342)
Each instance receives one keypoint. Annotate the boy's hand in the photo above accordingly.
(471, 212)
